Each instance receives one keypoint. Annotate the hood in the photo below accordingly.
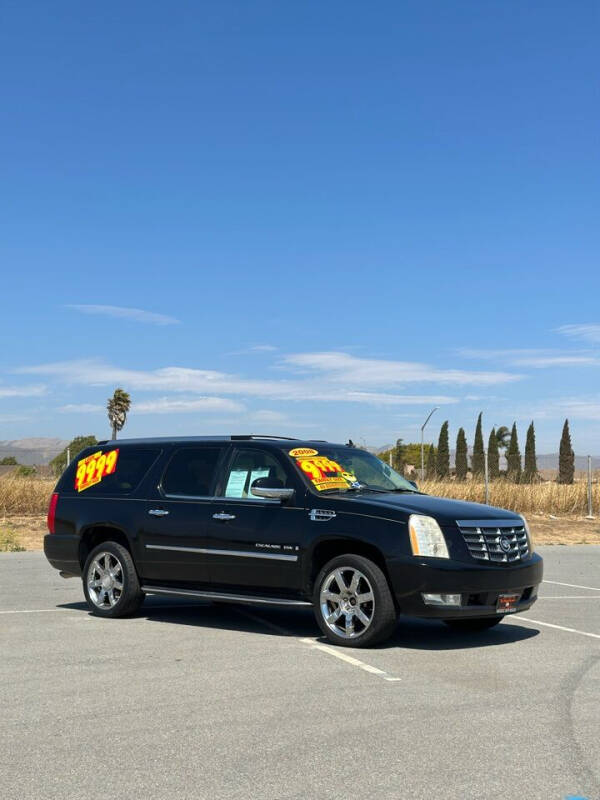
(445, 511)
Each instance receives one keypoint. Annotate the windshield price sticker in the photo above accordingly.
(92, 469)
(303, 452)
(323, 472)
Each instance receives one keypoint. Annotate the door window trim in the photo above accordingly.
(216, 476)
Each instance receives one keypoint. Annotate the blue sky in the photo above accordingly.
(318, 219)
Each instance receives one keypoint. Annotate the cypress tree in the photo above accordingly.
(530, 472)
(430, 469)
(566, 457)
(493, 456)
(478, 460)
(443, 453)
(398, 457)
(513, 457)
(461, 462)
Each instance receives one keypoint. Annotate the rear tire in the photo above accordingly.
(473, 625)
(353, 603)
(110, 581)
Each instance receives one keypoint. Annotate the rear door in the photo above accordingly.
(255, 543)
(174, 535)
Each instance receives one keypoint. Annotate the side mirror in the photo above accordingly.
(414, 483)
(271, 489)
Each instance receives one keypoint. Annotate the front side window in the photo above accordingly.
(343, 469)
(246, 467)
(191, 472)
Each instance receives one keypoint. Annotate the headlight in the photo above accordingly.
(528, 532)
(426, 537)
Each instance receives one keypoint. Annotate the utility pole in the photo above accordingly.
(486, 475)
(68, 456)
(590, 514)
(423, 442)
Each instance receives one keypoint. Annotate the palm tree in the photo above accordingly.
(118, 405)
(503, 437)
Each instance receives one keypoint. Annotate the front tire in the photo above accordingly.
(473, 625)
(110, 581)
(353, 603)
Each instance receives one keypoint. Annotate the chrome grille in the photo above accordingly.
(498, 541)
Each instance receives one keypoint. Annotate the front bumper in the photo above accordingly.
(478, 585)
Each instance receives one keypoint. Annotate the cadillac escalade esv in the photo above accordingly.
(271, 520)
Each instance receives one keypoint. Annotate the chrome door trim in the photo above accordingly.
(226, 597)
(187, 496)
(214, 552)
(158, 512)
(223, 515)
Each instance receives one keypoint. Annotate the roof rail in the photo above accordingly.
(242, 436)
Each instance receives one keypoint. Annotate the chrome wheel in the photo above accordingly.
(105, 580)
(347, 602)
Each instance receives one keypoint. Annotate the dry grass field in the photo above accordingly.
(535, 498)
(556, 513)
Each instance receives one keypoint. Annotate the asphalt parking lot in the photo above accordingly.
(200, 701)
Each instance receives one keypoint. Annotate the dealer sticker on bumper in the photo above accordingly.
(507, 603)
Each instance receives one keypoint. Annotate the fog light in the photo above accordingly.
(441, 599)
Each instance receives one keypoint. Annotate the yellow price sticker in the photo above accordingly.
(92, 469)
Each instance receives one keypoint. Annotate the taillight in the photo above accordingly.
(52, 512)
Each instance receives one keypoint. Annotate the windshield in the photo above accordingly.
(347, 469)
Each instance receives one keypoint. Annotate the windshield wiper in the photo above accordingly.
(361, 486)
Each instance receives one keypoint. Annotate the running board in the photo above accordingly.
(226, 598)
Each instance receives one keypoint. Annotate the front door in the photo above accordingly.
(174, 534)
(255, 543)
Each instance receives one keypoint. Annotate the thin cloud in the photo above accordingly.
(120, 312)
(253, 350)
(383, 399)
(323, 388)
(538, 359)
(341, 367)
(588, 332)
(22, 391)
(162, 405)
(586, 408)
(81, 408)
(168, 405)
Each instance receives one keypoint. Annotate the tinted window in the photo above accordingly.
(247, 466)
(114, 471)
(191, 471)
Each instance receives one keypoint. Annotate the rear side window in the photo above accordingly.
(114, 471)
(191, 472)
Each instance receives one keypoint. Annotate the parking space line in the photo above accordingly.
(573, 585)
(29, 611)
(571, 597)
(316, 645)
(558, 627)
(338, 653)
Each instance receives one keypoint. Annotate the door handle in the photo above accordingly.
(158, 512)
(223, 516)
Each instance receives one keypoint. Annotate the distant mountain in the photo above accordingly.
(35, 450)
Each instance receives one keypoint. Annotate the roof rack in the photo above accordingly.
(242, 436)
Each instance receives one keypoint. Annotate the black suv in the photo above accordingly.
(270, 520)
